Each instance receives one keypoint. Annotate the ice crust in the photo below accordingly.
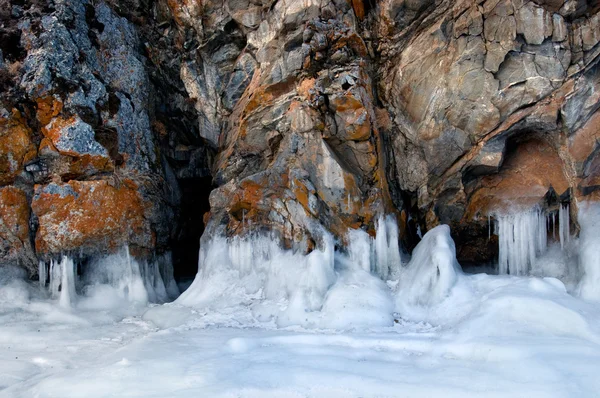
(259, 321)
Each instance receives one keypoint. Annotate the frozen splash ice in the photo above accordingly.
(252, 279)
(132, 280)
(110, 279)
(380, 255)
(237, 271)
(522, 238)
(431, 272)
(258, 280)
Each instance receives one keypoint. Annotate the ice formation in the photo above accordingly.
(589, 251)
(322, 289)
(522, 238)
(62, 281)
(564, 226)
(387, 253)
(326, 288)
(380, 255)
(114, 277)
(431, 272)
(242, 270)
(534, 243)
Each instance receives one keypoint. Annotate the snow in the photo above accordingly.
(259, 321)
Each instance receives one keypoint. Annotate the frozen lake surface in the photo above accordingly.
(496, 336)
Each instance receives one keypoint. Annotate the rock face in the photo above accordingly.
(309, 116)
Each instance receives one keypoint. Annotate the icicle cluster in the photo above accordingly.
(522, 238)
(62, 280)
(139, 283)
(380, 255)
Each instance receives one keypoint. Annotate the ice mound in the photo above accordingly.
(14, 291)
(324, 289)
(252, 278)
(244, 270)
(432, 271)
(530, 307)
(589, 251)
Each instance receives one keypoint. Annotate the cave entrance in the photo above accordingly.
(194, 204)
(519, 211)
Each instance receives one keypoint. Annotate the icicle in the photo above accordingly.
(134, 285)
(243, 220)
(359, 248)
(55, 278)
(165, 267)
(489, 228)
(387, 252)
(67, 286)
(43, 273)
(564, 225)
(522, 238)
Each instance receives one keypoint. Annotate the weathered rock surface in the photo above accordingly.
(76, 216)
(309, 115)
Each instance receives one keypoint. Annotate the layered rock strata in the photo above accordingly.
(308, 116)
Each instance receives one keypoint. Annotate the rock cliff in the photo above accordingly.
(125, 121)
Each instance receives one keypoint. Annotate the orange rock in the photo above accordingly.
(47, 108)
(359, 8)
(16, 148)
(525, 177)
(89, 214)
(72, 163)
(14, 229)
(14, 212)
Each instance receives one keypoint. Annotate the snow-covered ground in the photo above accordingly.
(497, 336)
(262, 322)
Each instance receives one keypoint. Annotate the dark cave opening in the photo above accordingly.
(194, 204)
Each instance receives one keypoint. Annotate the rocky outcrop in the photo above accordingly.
(76, 135)
(308, 116)
(487, 98)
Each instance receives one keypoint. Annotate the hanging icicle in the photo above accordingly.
(522, 238)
